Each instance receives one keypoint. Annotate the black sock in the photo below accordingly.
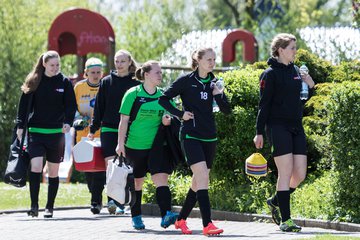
(89, 179)
(274, 200)
(136, 209)
(204, 204)
(284, 204)
(163, 198)
(34, 184)
(52, 192)
(189, 204)
(97, 187)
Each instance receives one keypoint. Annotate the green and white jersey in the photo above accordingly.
(145, 116)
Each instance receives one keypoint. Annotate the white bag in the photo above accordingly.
(120, 181)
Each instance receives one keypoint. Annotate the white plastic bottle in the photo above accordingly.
(304, 93)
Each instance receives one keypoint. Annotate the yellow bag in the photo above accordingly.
(256, 165)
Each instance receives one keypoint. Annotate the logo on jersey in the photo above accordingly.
(262, 83)
(59, 90)
(92, 103)
(194, 85)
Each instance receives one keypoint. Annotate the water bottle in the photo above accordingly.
(220, 83)
(304, 93)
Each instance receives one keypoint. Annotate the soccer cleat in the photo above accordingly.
(289, 226)
(34, 211)
(138, 223)
(168, 219)
(111, 206)
(48, 213)
(275, 215)
(120, 210)
(210, 229)
(95, 208)
(183, 226)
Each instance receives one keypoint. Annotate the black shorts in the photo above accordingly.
(197, 151)
(142, 163)
(49, 146)
(285, 140)
(108, 143)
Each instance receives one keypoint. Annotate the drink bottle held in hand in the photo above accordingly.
(304, 93)
(220, 85)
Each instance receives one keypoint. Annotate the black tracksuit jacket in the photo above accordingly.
(280, 102)
(53, 104)
(197, 98)
(108, 100)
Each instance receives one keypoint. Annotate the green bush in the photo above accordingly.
(315, 199)
(344, 134)
(319, 69)
(315, 125)
(346, 71)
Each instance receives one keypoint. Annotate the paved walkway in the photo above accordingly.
(81, 224)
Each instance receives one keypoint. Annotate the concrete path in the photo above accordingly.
(81, 224)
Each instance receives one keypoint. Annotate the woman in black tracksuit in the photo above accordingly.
(106, 112)
(197, 91)
(53, 107)
(280, 110)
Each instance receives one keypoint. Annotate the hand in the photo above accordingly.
(90, 136)
(259, 141)
(187, 116)
(66, 128)
(217, 91)
(120, 149)
(308, 79)
(19, 133)
(166, 120)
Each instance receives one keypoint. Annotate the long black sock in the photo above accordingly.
(163, 198)
(136, 209)
(97, 187)
(204, 204)
(284, 204)
(189, 204)
(34, 184)
(52, 192)
(274, 199)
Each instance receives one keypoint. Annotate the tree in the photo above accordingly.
(147, 28)
(23, 37)
(265, 18)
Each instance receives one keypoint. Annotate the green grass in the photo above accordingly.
(13, 198)
(331, 237)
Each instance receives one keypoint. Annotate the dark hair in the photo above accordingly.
(132, 67)
(33, 79)
(146, 67)
(197, 55)
(281, 40)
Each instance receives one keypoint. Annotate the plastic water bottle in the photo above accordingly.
(220, 85)
(304, 93)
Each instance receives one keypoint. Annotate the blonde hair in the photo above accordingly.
(132, 67)
(92, 62)
(33, 79)
(281, 40)
(197, 55)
